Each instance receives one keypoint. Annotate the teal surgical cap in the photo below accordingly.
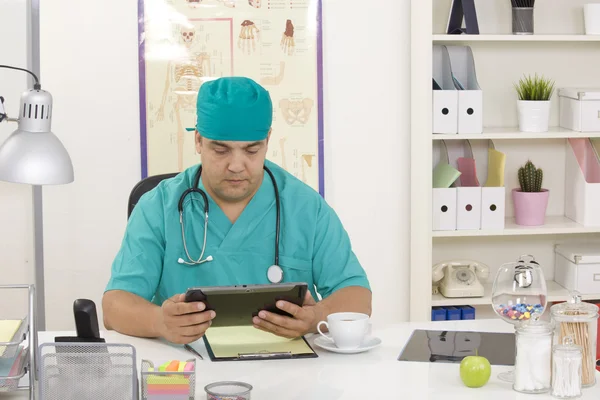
(233, 109)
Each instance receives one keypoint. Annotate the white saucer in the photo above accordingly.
(368, 344)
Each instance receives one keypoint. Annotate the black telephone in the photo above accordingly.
(86, 323)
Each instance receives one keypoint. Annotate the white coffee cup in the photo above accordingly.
(348, 329)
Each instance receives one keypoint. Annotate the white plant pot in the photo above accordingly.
(534, 116)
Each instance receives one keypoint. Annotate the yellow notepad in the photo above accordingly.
(8, 329)
(496, 164)
(231, 342)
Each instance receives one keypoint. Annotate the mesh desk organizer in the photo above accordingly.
(86, 370)
(17, 360)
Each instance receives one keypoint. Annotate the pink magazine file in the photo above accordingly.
(468, 177)
(582, 186)
(586, 158)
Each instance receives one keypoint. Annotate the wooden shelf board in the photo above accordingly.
(554, 225)
(555, 293)
(512, 133)
(516, 38)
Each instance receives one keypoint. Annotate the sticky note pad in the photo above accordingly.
(8, 329)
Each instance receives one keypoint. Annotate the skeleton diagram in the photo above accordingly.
(287, 38)
(246, 37)
(254, 3)
(296, 111)
(282, 146)
(196, 3)
(184, 78)
(306, 159)
(275, 79)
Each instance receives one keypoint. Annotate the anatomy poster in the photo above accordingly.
(184, 43)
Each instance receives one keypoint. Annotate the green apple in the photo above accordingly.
(475, 371)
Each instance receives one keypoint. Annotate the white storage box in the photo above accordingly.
(577, 267)
(580, 109)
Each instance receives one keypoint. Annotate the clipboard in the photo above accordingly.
(273, 348)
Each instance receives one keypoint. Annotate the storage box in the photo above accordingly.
(467, 312)
(438, 314)
(577, 267)
(579, 109)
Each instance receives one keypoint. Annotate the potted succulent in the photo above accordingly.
(530, 200)
(533, 105)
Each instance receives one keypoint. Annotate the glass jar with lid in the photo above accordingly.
(566, 370)
(578, 320)
(533, 360)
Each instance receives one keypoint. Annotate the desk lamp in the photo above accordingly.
(33, 155)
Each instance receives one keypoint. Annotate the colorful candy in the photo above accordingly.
(519, 311)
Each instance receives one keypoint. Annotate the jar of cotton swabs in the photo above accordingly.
(567, 362)
(578, 320)
(533, 357)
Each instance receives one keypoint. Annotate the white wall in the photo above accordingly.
(16, 239)
(89, 64)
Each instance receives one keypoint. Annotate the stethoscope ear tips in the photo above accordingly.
(180, 261)
(209, 258)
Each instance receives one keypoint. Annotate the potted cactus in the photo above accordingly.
(530, 200)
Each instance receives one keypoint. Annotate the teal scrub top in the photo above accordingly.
(314, 246)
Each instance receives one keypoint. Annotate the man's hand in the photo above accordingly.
(180, 322)
(304, 319)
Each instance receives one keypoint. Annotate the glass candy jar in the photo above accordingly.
(566, 370)
(533, 361)
(578, 320)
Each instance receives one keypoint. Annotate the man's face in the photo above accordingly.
(233, 171)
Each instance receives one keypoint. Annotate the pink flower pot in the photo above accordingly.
(530, 207)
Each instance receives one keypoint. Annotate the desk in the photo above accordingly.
(374, 374)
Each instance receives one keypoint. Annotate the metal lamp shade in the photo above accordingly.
(35, 158)
(33, 154)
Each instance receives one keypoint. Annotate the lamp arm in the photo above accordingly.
(3, 115)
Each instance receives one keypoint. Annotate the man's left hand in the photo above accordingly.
(304, 319)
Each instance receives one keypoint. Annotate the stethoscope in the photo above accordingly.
(274, 272)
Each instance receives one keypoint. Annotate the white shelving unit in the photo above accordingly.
(559, 49)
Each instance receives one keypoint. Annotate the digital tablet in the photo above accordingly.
(236, 305)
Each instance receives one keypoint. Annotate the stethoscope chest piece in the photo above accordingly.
(275, 274)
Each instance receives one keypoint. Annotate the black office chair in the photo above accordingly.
(143, 186)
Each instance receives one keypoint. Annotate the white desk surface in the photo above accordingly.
(370, 375)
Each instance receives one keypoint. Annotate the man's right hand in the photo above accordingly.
(182, 322)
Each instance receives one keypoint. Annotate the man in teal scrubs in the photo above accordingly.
(152, 270)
